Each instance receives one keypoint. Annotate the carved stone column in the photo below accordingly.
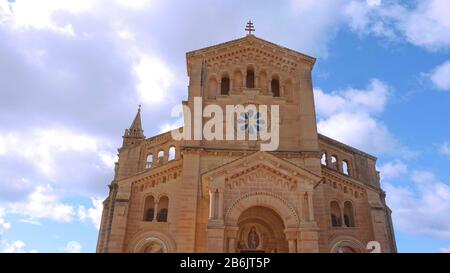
(291, 237)
(155, 210)
(220, 204)
(219, 87)
(212, 201)
(310, 206)
(304, 201)
(231, 245)
(292, 246)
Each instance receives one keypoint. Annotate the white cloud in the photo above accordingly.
(445, 148)
(72, 247)
(177, 114)
(41, 145)
(14, 247)
(428, 25)
(4, 225)
(43, 203)
(393, 170)
(422, 208)
(154, 78)
(135, 4)
(318, 22)
(440, 76)
(54, 155)
(370, 100)
(31, 222)
(373, 2)
(40, 14)
(93, 214)
(425, 24)
(350, 116)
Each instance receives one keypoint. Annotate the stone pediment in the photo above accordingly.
(254, 48)
(259, 166)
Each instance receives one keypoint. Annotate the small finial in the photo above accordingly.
(249, 27)
(139, 109)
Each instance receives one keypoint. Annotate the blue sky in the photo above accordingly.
(73, 72)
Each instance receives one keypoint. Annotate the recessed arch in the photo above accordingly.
(335, 214)
(140, 241)
(349, 214)
(149, 162)
(163, 209)
(334, 162)
(149, 208)
(262, 80)
(172, 153)
(225, 85)
(346, 243)
(160, 156)
(250, 77)
(261, 229)
(263, 199)
(275, 86)
(212, 87)
(345, 167)
(323, 159)
(237, 79)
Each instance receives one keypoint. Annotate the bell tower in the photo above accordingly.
(251, 70)
(134, 134)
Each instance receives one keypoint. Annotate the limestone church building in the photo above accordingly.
(311, 194)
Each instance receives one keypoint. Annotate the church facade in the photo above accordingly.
(310, 194)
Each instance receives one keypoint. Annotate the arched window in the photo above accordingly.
(323, 159)
(149, 208)
(334, 162)
(163, 209)
(345, 167)
(335, 211)
(149, 161)
(225, 86)
(348, 214)
(172, 153)
(250, 80)
(275, 86)
(160, 157)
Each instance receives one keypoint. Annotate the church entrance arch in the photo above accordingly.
(261, 229)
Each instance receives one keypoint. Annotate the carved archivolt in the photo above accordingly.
(265, 199)
(141, 240)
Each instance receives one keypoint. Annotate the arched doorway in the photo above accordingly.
(346, 244)
(261, 229)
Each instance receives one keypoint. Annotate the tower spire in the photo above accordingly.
(135, 131)
(136, 126)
